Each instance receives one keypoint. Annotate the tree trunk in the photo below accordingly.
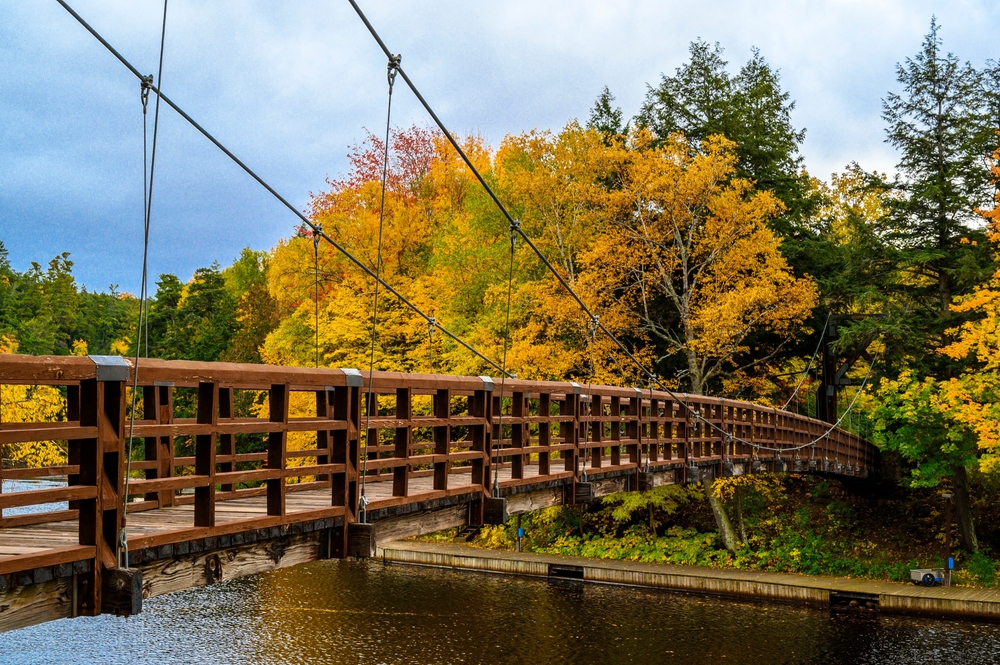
(729, 537)
(739, 515)
(963, 511)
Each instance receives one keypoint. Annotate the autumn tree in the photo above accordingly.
(689, 250)
(30, 404)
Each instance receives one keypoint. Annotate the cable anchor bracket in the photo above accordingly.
(145, 85)
(391, 68)
(515, 230)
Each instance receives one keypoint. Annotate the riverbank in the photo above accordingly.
(824, 591)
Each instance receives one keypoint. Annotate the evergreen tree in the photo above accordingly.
(207, 316)
(607, 118)
(942, 128)
(750, 108)
(163, 316)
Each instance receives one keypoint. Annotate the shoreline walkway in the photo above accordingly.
(823, 591)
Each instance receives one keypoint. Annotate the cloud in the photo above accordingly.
(289, 86)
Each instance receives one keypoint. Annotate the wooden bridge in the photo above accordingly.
(191, 507)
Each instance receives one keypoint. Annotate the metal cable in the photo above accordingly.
(316, 289)
(827, 433)
(430, 344)
(270, 190)
(591, 342)
(146, 84)
(506, 343)
(805, 374)
(391, 76)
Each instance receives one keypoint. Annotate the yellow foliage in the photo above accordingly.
(602, 214)
(79, 348)
(119, 347)
(687, 234)
(30, 404)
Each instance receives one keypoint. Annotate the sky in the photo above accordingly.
(290, 86)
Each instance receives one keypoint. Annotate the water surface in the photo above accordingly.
(370, 613)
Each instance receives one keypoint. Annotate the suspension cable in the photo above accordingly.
(430, 343)
(316, 287)
(822, 336)
(587, 427)
(391, 68)
(506, 343)
(835, 425)
(146, 84)
(273, 192)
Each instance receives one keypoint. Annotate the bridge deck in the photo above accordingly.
(36, 539)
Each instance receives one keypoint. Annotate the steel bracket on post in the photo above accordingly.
(488, 385)
(354, 378)
(494, 510)
(111, 368)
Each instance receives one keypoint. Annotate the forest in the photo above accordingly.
(694, 229)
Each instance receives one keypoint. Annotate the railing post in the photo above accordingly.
(204, 455)
(518, 435)
(403, 439)
(276, 448)
(685, 445)
(87, 454)
(227, 444)
(479, 407)
(442, 438)
(544, 433)
(633, 428)
(653, 432)
(569, 431)
(616, 431)
(102, 465)
(596, 430)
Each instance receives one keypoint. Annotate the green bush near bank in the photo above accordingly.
(796, 524)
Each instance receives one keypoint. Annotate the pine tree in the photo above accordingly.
(750, 108)
(941, 126)
(607, 118)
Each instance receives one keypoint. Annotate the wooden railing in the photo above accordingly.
(432, 437)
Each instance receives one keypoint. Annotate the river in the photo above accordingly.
(369, 613)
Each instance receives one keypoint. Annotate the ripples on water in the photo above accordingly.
(371, 613)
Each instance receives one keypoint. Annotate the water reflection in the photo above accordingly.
(358, 612)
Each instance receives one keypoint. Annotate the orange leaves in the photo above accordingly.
(691, 249)
(659, 240)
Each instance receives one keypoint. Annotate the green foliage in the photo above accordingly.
(799, 524)
(942, 126)
(607, 118)
(45, 311)
(665, 500)
(911, 418)
(750, 108)
(981, 569)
